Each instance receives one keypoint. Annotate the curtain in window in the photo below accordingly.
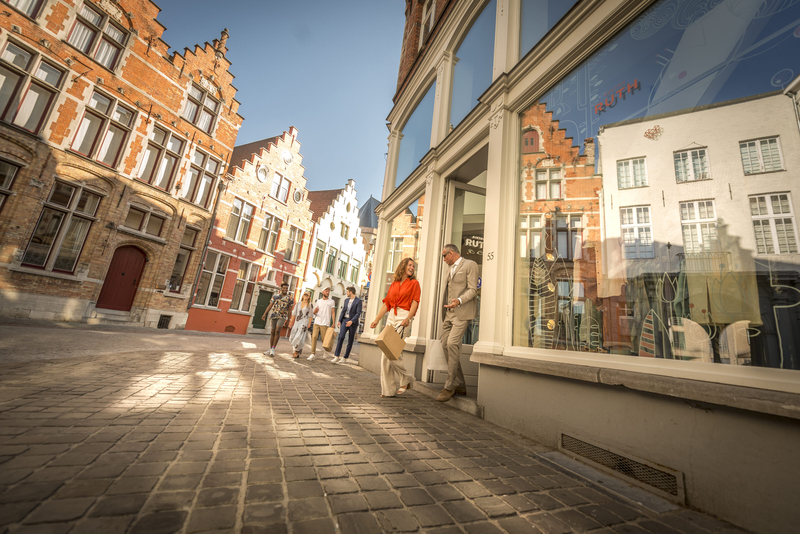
(87, 132)
(165, 172)
(26, 6)
(71, 247)
(106, 54)
(81, 37)
(8, 82)
(111, 145)
(32, 108)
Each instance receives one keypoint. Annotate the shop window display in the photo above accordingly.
(675, 270)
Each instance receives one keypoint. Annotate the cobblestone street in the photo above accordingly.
(211, 440)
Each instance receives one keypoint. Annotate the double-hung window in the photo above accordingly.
(395, 254)
(245, 286)
(161, 158)
(345, 231)
(61, 232)
(29, 7)
(354, 268)
(428, 18)
(698, 226)
(144, 220)
(319, 255)
(761, 155)
(7, 173)
(201, 109)
(631, 173)
(569, 236)
(331, 261)
(239, 222)
(292, 281)
(280, 188)
(199, 182)
(691, 165)
(773, 223)
(268, 240)
(103, 130)
(548, 184)
(209, 288)
(28, 85)
(531, 244)
(344, 259)
(185, 250)
(96, 36)
(293, 245)
(637, 233)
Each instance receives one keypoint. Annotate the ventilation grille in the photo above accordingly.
(647, 475)
(163, 321)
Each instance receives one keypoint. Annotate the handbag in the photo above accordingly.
(391, 342)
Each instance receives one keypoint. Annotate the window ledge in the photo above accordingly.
(16, 268)
(763, 172)
(237, 312)
(180, 198)
(777, 403)
(637, 187)
(171, 295)
(137, 233)
(207, 308)
(87, 158)
(228, 239)
(694, 181)
(291, 262)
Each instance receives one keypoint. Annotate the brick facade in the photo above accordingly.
(105, 65)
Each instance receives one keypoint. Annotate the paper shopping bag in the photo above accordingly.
(435, 354)
(327, 342)
(390, 342)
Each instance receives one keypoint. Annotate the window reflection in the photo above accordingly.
(415, 140)
(405, 238)
(536, 19)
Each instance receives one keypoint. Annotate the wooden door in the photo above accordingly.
(122, 279)
(264, 297)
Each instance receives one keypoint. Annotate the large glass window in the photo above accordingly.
(245, 285)
(239, 221)
(95, 35)
(415, 138)
(103, 130)
(675, 270)
(474, 59)
(294, 244)
(28, 85)
(268, 239)
(280, 188)
(201, 108)
(198, 184)
(212, 279)
(536, 19)
(161, 157)
(29, 7)
(405, 238)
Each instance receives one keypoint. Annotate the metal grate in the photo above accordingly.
(645, 474)
(163, 321)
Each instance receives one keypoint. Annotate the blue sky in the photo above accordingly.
(327, 67)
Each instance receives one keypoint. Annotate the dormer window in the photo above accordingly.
(96, 36)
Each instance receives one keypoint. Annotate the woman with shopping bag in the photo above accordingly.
(401, 303)
(301, 316)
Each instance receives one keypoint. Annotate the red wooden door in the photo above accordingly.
(122, 279)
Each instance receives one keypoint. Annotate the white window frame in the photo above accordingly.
(548, 178)
(294, 244)
(185, 250)
(31, 85)
(199, 105)
(531, 244)
(110, 120)
(627, 173)
(102, 38)
(270, 236)
(71, 211)
(239, 222)
(752, 154)
(212, 271)
(197, 185)
(292, 281)
(395, 254)
(161, 152)
(243, 291)
(427, 21)
(280, 188)
(686, 160)
(770, 217)
(637, 225)
(703, 228)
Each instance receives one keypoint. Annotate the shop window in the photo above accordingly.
(773, 224)
(212, 279)
(161, 157)
(97, 36)
(415, 137)
(239, 221)
(530, 142)
(28, 85)
(428, 19)
(406, 232)
(270, 231)
(698, 226)
(474, 59)
(319, 255)
(691, 165)
(637, 232)
(198, 185)
(280, 188)
(103, 129)
(245, 286)
(631, 173)
(201, 109)
(294, 244)
(28, 7)
(331, 261)
(62, 229)
(548, 184)
(537, 17)
(185, 250)
(761, 155)
(8, 171)
(344, 260)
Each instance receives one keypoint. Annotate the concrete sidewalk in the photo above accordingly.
(213, 440)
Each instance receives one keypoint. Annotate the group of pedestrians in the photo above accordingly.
(318, 317)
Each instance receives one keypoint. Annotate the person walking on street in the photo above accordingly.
(324, 315)
(402, 300)
(278, 311)
(348, 324)
(301, 316)
(460, 307)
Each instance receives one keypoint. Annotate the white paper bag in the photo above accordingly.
(435, 354)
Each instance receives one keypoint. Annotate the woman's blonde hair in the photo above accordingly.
(306, 294)
(400, 272)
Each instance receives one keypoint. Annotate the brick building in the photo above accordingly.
(111, 154)
(261, 238)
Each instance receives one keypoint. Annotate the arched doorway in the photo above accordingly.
(122, 279)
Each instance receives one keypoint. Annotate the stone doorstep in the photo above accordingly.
(467, 404)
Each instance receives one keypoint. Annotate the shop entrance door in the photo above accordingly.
(264, 296)
(122, 279)
(466, 213)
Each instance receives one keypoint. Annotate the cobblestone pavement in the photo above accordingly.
(163, 441)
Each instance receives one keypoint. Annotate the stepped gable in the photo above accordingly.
(245, 152)
(321, 201)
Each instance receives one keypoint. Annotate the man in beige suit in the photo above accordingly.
(460, 307)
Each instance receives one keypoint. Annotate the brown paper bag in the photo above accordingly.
(390, 342)
(327, 342)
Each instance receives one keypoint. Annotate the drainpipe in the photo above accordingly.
(309, 259)
(796, 112)
(221, 187)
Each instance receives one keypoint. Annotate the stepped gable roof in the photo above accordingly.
(366, 215)
(244, 152)
(321, 201)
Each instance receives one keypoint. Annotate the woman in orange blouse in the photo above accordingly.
(402, 301)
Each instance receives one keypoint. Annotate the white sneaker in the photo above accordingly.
(336, 359)
(310, 357)
(272, 351)
(268, 352)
